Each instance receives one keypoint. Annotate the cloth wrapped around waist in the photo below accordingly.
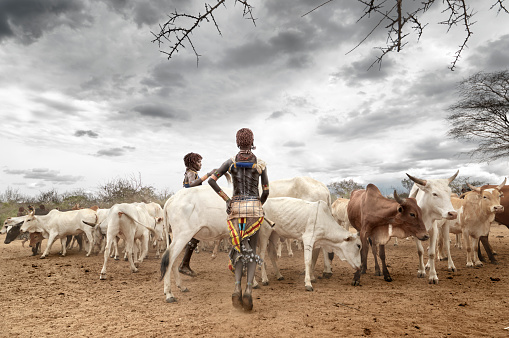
(245, 206)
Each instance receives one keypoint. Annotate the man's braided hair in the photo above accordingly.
(191, 159)
(245, 138)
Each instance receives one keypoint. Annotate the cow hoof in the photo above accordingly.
(214, 256)
(313, 280)
(171, 300)
(290, 255)
(184, 289)
(378, 273)
(116, 258)
(356, 283)
(452, 269)
(433, 281)
(265, 283)
(134, 270)
(256, 286)
(388, 279)
(309, 288)
(42, 257)
(327, 275)
(102, 276)
(421, 274)
(281, 278)
(494, 262)
(443, 259)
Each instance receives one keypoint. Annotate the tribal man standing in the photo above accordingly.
(245, 213)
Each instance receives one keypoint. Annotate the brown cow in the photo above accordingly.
(377, 219)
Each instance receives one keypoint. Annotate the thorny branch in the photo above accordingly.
(391, 14)
(178, 34)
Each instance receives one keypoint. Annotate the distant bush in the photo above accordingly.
(119, 190)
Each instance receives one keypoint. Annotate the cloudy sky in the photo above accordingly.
(86, 96)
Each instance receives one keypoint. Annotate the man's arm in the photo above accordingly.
(265, 186)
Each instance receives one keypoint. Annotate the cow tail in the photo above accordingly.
(165, 261)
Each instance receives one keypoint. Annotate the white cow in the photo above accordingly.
(311, 222)
(433, 197)
(129, 222)
(58, 224)
(192, 213)
(308, 189)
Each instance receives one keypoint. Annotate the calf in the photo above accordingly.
(378, 218)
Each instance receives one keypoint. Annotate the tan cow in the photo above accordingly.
(476, 211)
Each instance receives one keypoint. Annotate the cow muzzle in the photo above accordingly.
(451, 215)
(498, 208)
(423, 238)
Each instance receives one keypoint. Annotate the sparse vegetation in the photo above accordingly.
(119, 190)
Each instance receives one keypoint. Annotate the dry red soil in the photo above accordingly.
(63, 297)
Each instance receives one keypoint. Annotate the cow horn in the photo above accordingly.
(397, 198)
(473, 188)
(417, 180)
(453, 176)
(502, 184)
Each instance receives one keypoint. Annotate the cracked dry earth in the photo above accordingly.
(63, 297)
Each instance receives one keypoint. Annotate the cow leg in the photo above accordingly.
(489, 250)
(459, 242)
(176, 247)
(107, 248)
(289, 247)
(433, 235)
(116, 255)
(364, 257)
(63, 242)
(327, 265)
(421, 272)
(278, 248)
(447, 244)
(51, 240)
(130, 251)
(273, 258)
(90, 238)
(374, 249)
(314, 257)
(216, 248)
(381, 251)
(475, 248)
(468, 244)
(308, 263)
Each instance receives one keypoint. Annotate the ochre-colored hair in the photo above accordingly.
(191, 159)
(245, 138)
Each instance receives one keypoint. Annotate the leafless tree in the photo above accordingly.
(481, 114)
(178, 29)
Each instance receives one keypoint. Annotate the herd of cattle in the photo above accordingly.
(298, 208)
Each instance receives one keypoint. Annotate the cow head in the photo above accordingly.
(489, 198)
(434, 199)
(350, 250)
(13, 233)
(35, 237)
(408, 219)
(29, 221)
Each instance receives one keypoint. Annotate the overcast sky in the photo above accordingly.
(86, 97)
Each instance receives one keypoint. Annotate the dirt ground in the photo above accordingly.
(63, 296)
